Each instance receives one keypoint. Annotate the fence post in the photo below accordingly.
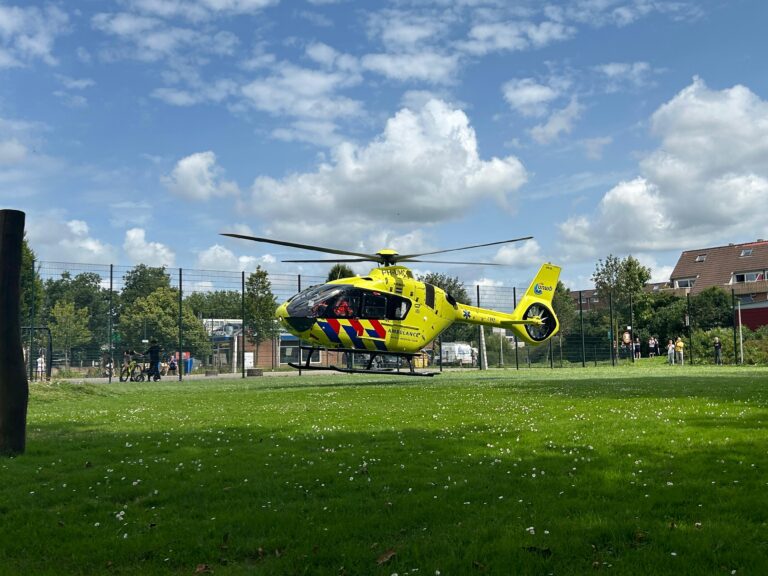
(551, 355)
(483, 360)
(610, 331)
(690, 322)
(581, 316)
(631, 329)
(514, 301)
(181, 329)
(110, 335)
(32, 324)
(733, 307)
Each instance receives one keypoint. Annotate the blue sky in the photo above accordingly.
(135, 131)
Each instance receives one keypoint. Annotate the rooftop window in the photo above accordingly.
(701, 257)
(746, 252)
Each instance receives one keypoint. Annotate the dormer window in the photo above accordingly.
(746, 252)
(701, 257)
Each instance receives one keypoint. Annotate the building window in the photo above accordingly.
(749, 276)
(685, 283)
(701, 257)
(746, 252)
(290, 351)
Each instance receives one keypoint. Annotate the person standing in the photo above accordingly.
(679, 346)
(718, 346)
(154, 360)
(670, 352)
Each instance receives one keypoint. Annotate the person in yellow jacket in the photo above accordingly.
(679, 346)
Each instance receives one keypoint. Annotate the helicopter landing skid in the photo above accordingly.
(369, 369)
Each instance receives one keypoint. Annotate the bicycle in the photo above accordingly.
(133, 371)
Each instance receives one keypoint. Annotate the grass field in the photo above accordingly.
(630, 470)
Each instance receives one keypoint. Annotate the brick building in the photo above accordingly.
(737, 268)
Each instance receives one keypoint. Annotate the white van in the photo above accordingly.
(457, 353)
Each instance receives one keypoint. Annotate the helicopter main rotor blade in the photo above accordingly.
(454, 262)
(410, 256)
(329, 261)
(366, 257)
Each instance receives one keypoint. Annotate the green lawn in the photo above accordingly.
(632, 470)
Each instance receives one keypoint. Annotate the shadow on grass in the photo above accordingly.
(458, 499)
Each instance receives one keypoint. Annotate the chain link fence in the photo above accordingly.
(86, 319)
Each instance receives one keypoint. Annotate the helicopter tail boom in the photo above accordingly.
(533, 320)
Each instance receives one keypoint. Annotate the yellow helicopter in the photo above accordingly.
(389, 312)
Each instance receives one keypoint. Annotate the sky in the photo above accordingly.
(137, 131)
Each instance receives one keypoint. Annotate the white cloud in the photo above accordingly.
(151, 39)
(489, 37)
(406, 31)
(139, 251)
(425, 66)
(619, 74)
(302, 92)
(198, 10)
(197, 177)
(28, 34)
(423, 168)
(559, 122)
(702, 185)
(594, 146)
(56, 239)
(12, 152)
(529, 97)
(519, 255)
(217, 257)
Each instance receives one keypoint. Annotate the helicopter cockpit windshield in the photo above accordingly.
(346, 301)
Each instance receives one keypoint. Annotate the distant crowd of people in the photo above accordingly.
(675, 349)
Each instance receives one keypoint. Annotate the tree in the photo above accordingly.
(218, 304)
(260, 306)
(31, 285)
(624, 278)
(565, 308)
(84, 291)
(712, 308)
(157, 316)
(69, 327)
(141, 281)
(340, 271)
(458, 332)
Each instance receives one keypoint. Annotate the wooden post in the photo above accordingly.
(14, 387)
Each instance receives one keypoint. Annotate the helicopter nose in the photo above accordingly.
(294, 324)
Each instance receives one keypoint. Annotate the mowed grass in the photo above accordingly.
(634, 470)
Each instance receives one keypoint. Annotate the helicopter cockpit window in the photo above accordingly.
(345, 301)
(323, 302)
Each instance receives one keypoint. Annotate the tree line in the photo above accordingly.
(82, 313)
